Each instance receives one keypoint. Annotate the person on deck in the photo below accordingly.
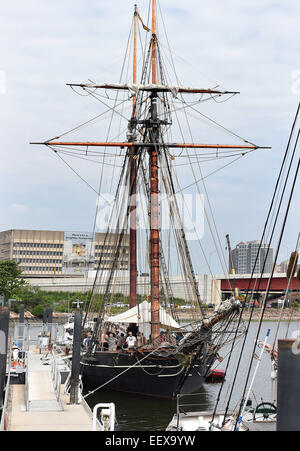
(104, 343)
(131, 340)
(121, 341)
(140, 339)
(68, 338)
(112, 342)
(87, 340)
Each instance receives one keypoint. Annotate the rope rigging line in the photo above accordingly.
(70, 154)
(287, 151)
(105, 104)
(189, 104)
(202, 159)
(126, 206)
(108, 132)
(199, 242)
(107, 236)
(83, 124)
(219, 125)
(77, 173)
(275, 259)
(286, 293)
(217, 84)
(181, 246)
(211, 173)
(97, 271)
(182, 236)
(217, 239)
(163, 270)
(189, 155)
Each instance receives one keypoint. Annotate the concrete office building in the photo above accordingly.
(49, 252)
(67, 261)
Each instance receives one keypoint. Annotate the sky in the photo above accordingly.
(252, 47)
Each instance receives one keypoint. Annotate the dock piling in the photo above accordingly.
(45, 314)
(288, 385)
(22, 314)
(4, 328)
(50, 314)
(76, 358)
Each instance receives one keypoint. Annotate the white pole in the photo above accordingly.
(274, 382)
(253, 378)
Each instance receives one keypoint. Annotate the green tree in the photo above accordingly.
(38, 310)
(10, 279)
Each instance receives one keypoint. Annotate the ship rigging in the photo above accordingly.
(147, 176)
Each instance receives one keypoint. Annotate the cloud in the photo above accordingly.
(18, 208)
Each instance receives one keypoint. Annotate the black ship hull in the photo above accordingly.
(157, 377)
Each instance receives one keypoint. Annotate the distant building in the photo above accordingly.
(49, 252)
(245, 258)
(281, 267)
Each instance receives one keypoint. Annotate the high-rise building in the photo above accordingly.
(49, 252)
(248, 257)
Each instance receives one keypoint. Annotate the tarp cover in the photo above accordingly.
(142, 314)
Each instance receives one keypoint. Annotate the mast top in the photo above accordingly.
(154, 57)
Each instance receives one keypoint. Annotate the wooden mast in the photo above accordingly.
(134, 78)
(132, 191)
(154, 190)
(154, 58)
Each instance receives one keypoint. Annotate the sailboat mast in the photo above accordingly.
(132, 191)
(134, 78)
(154, 57)
(154, 190)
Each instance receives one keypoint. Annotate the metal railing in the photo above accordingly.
(26, 382)
(56, 376)
(3, 422)
(26, 334)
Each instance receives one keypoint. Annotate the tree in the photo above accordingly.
(10, 279)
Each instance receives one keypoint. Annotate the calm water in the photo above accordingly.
(141, 413)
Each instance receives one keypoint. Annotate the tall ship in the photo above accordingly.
(142, 166)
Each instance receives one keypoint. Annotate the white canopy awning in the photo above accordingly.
(142, 314)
